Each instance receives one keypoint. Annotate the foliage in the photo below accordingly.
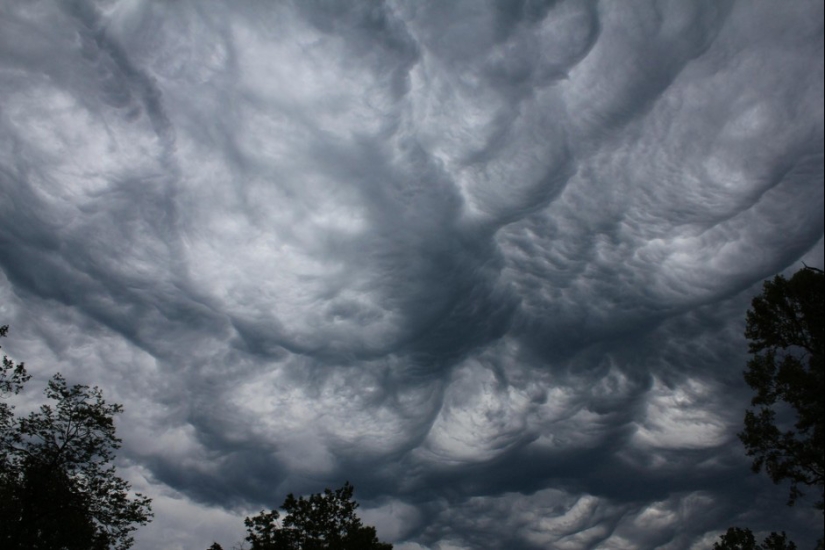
(785, 329)
(321, 522)
(743, 539)
(12, 379)
(57, 487)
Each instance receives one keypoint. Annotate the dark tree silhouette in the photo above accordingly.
(786, 332)
(12, 379)
(58, 489)
(321, 522)
(742, 539)
(785, 329)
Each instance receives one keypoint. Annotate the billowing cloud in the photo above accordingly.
(489, 261)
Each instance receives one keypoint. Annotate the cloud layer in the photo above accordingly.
(487, 260)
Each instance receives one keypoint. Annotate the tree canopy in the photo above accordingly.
(58, 489)
(785, 330)
(784, 434)
(324, 521)
(743, 539)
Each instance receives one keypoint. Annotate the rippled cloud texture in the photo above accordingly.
(489, 261)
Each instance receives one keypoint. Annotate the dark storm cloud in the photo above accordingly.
(487, 260)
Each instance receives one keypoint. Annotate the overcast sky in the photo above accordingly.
(487, 260)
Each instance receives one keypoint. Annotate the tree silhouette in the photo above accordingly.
(321, 522)
(57, 487)
(743, 539)
(785, 329)
(786, 333)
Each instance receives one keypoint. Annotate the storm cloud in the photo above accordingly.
(488, 261)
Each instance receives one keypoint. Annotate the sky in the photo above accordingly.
(487, 260)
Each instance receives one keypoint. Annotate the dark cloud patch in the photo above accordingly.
(489, 261)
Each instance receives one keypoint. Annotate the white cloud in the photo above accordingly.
(682, 417)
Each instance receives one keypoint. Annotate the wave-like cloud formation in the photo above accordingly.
(487, 260)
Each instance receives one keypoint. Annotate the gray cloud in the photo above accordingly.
(488, 261)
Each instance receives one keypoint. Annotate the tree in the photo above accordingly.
(12, 379)
(786, 333)
(743, 539)
(321, 522)
(58, 489)
(785, 329)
